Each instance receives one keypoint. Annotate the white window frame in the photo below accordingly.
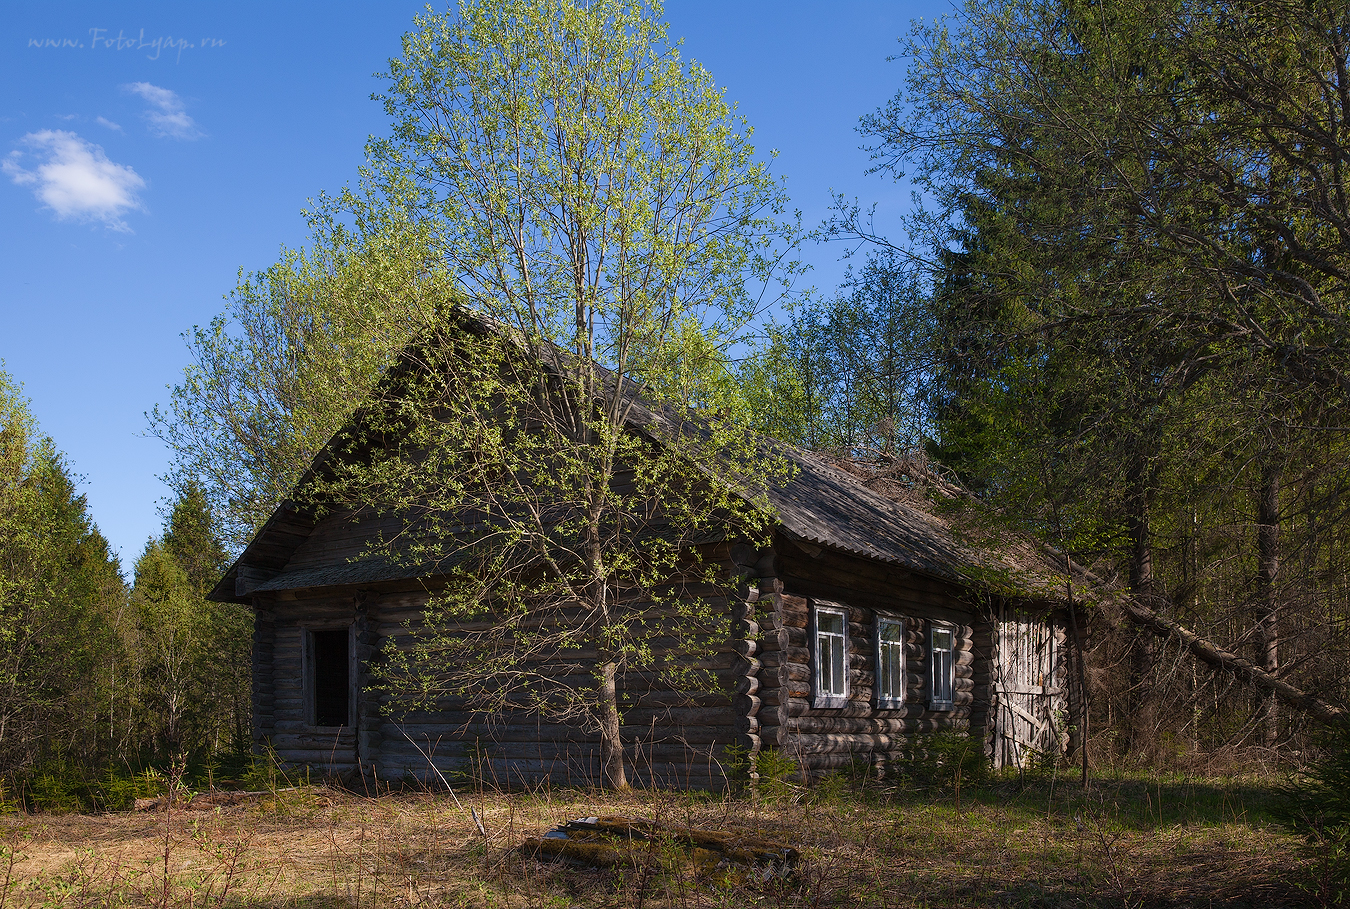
(837, 696)
(309, 662)
(886, 648)
(941, 666)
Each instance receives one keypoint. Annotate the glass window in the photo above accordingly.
(831, 656)
(942, 666)
(890, 662)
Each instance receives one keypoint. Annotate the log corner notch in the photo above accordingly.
(755, 567)
(1225, 661)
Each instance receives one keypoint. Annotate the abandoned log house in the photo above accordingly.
(864, 623)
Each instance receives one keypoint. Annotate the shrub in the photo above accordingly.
(942, 762)
(776, 774)
(1316, 803)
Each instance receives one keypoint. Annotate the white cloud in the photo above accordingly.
(104, 121)
(76, 180)
(169, 119)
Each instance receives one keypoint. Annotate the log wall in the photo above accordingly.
(674, 738)
(278, 683)
(821, 739)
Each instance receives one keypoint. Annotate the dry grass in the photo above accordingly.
(1130, 843)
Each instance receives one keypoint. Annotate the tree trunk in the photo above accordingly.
(1267, 605)
(611, 742)
(1141, 733)
(1222, 660)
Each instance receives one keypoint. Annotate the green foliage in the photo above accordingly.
(942, 762)
(1319, 796)
(61, 594)
(779, 775)
(300, 343)
(566, 156)
(579, 551)
(1135, 303)
(192, 655)
(558, 447)
(191, 539)
(1316, 803)
(64, 787)
(851, 374)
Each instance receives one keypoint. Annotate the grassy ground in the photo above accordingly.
(1129, 842)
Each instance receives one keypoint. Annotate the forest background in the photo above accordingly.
(1118, 322)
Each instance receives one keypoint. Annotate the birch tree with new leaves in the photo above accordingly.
(564, 439)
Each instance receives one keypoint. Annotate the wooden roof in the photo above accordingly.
(820, 505)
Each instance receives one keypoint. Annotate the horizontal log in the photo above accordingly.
(451, 722)
(639, 755)
(891, 601)
(818, 764)
(489, 737)
(315, 741)
(860, 708)
(311, 755)
(896, 722)
(526, 773)
(848, 743)
(317, 770)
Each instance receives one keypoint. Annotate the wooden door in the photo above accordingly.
(1028, 691)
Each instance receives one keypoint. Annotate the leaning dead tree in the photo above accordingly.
(912, 477)
(1225, 661)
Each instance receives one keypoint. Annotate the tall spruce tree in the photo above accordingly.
(1136, 217)
(60, 596)
(193, 654)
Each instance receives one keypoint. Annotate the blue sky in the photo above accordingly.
(151, 150)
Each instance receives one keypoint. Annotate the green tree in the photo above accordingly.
(301, 342)
(851, 374)
(604, 217)
(60, 595)
(193, 655)
(1136, 218)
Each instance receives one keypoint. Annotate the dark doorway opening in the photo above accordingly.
(332, 676)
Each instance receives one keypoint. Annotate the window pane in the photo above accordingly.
(837, 666)
(890, 659)
(831, 654)
(830, 622)
(943, 664)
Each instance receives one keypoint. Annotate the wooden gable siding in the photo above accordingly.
(337, 539)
